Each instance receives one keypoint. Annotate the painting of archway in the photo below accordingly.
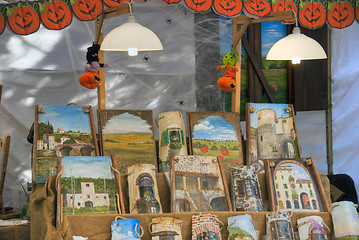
(88, 204)
(288, 149)
(289, 205)
(145, 185)
(218, 203)
(296, 204)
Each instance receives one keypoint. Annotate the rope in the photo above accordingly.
(118, 203)
(59, 175)
(115, 170)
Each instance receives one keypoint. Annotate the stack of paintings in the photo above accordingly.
(61, 131)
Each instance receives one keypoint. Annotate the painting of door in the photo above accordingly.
(305, 200)
(183, 205)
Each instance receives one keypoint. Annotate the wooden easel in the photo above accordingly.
(4, 146)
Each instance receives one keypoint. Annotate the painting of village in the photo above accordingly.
(197, 184)
(294, 188)
(61, 131)
(217, 134)
(87, 185)
(271, 133)
(128, 135)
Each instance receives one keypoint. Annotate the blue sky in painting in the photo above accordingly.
(67, 117)
(214, 128)
(125, 229)
(126, 123)
(300, 173)
(87, 166)
(271, 33)
(277, 107)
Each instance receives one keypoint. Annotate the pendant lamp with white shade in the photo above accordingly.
(131, 37)
(296, 47)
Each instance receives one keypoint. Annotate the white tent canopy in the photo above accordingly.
(44, 67)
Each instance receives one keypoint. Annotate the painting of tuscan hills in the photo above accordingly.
(87, 186)
(271, 133)
(128, 135)
(216, 134)
(61, 131)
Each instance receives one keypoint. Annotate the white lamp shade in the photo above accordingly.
(131, 35)
(296, 46)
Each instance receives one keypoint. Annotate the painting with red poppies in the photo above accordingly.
(216, 134)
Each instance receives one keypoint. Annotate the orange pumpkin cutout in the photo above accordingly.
(171, 1)
(257, 8)
(283, 5)
(340, 14)
(2, 23)
(90, 80)
(55, 14)
(114, 3)
(312, 14)
(86, 10)
(22, 18)
(227, 8)
(199, 5)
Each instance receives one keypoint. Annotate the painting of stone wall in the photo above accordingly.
(271, 133)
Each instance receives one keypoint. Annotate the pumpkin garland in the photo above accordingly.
(55, 14)
(24, 18)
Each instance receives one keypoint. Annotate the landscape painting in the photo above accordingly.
(128, 135)
(198, 184)
(61, 131)
(216, 134)
(271, 133)
(87, 186)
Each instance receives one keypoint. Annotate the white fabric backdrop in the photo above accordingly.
(345, 98)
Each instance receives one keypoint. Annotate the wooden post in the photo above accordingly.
(236, 95)
(5, 146)
(101, 90)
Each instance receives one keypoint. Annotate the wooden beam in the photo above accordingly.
(236, 95)
(273, 16)
(258, 70)
(107, 13)
(238, 35)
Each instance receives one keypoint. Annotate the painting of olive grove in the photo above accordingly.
(61, 131)
(216, 134)
(87, 186)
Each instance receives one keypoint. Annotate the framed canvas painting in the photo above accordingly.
(61, 131)
(88, 185)
(216, 134)
(295, 184)
(271, 133)
(129, 136)
(198, 184)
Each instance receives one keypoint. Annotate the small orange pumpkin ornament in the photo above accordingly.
(90, 80)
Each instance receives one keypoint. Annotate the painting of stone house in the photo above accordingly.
(87, 186)
(271, 133)
(61, 131)
(198, 184)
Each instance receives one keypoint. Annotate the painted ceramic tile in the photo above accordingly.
(172, 138)
(246, 194)
(345, 220)
(271, 133)
(279, 226)
(216, 134)
(126, 228)
(166, 228)
(206, 226)
(61, 131)
(198, 185)
(311, 227)
(241, 228)
(294, 184)
(128, 135)
(87, 186)
(143, 190)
